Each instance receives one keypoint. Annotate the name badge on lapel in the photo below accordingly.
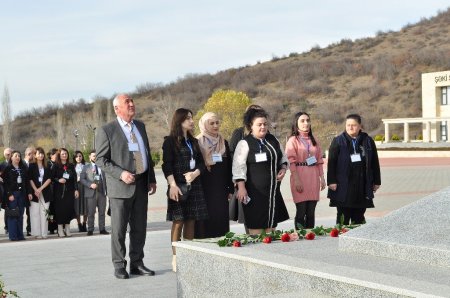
(355, 157)
(192, 163)
(310, 161)
(40, 179)
(66, 176)
(133, 147)
(261, 157)
(217, 157)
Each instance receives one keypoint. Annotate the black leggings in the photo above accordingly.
(305, 215)
(353, 215)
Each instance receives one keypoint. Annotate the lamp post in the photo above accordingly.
(76, 134)
(90, 127)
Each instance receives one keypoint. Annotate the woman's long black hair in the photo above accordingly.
(176, 130)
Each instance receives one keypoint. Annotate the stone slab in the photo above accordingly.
(293, 269)
(418, 232)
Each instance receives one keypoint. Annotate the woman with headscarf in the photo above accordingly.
(216, 181)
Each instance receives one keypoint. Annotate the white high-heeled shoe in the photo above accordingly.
(60, 231)
(174, 263)
(67, 230)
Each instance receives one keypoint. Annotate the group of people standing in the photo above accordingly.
(204, 173)
(253, 168)
(50, 193)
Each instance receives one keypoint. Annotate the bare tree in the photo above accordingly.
(60, 136)
(6, 117)
(97, 113)
(109, 111)
(166, 108)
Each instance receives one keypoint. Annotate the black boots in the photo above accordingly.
(82, 227)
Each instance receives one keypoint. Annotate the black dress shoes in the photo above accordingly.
(121, 273)
(104, 232)
(90, 233)
(142, 270)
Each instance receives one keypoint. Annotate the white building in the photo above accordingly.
(435, 110)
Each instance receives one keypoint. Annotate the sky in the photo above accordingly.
(54, 51)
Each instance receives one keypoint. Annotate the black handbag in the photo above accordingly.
(14, 212)
(233, 207)
(185, 190)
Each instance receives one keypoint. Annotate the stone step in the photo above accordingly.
(418, 232)
(301, 269)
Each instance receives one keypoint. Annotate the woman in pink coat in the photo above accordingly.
(306, 165)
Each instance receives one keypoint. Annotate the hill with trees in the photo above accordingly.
(378, 77)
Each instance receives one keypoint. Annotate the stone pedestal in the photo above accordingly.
(405, 254)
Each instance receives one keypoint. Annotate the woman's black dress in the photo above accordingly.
(176, 163)
(64, 194)
(217, 185)
(266, 207)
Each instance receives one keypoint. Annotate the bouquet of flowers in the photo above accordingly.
(48, 215)
(4, 292)
(64, 185)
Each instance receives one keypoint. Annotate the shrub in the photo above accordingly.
(395, 137)
(379, 138)
(156, 157)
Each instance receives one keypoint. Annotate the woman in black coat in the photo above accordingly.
(353, 172)
(17, 193)
(182, 165)
(65, 188)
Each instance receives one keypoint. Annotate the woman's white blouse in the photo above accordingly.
(240, 160)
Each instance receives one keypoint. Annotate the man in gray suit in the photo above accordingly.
(94, 184)
(123, 154)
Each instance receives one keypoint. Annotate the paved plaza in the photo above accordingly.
(81, 266)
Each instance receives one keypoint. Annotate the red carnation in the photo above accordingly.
(65, 168)
(236, 243)
(344, 230)
(310, 236)
(285, 237)
(267, 240)
(334, 232)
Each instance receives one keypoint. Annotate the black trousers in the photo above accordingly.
(27, 211)
(305, 215)
(354, 216)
